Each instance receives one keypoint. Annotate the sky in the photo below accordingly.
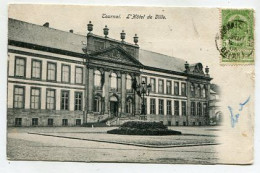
(186, 33)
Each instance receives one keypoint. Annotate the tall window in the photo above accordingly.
(193, 108)
(64, 100)
(128, 83)
(169, 87)
(18, 97)
(78, 101)
(161, 112)
(169, 107)
(199, 109)
(153, 85)
(129, 106)
(35, 98)
(97, 79)
(113, 79)
(20, 66)
(51, 68)
(97, 104)
(183, 89)
(79, 75)
(36, 69)
(205, 109)
(176, 108)
(160, 86)
(192, 90)
(199, 91)
(152, 106)
(65, 71)
(183, 108)
(204, 92)
(50, 99)
(176, 88)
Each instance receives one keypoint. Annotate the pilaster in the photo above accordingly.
(123, 92)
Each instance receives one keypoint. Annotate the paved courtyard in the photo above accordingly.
(196, 145)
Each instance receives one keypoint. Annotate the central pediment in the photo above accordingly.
(115, 54)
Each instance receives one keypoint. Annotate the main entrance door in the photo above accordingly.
(114, 108)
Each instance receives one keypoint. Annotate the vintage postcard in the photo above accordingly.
(130, 84)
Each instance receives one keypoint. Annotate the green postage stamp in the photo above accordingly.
(237, 36)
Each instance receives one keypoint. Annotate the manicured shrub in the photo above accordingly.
(143, 128)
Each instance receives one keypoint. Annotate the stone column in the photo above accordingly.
(106, 91)
(137, 98)
(123, 93)
(90, 89)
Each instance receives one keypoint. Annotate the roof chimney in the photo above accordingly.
(71, 31)
(46, 24)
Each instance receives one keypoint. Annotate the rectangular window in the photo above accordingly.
(176, 107)
(36, 69)
(183, 108)
(169, 107)
(176, 88)
(78, 101)
(35, 98)
(50, 99)
(184, 123)
(64, 100)
(79, 75)
(64, 122)
(183, 89)
(153, 85)
(78, 122)
(152, 106)
(18, 121)
(160, 86)
(65, 73)
(161, 107)
(169, 123)
(169, 87)
(35, 122)
(205, 109)
(50, 122)
(20, 67)
(177, 123)
(199, 111)
(193, 108)
(18, 97)
(51, 71)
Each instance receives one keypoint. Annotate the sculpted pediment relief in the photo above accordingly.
(116, 55)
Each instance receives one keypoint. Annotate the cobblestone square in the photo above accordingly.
(22, 145)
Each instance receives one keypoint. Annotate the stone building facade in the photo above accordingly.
(58, 78)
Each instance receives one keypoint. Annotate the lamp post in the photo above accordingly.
(145, 91)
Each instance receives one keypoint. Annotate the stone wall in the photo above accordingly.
(43, 115)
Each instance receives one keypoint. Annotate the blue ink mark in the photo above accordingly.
(234, 118)
(243, 104)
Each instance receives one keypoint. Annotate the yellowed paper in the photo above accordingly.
(77, 73)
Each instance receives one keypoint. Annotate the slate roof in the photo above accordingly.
(49, 37)
(44, 36)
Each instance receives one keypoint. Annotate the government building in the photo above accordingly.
(58, 78)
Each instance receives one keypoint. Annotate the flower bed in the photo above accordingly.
(143, 128)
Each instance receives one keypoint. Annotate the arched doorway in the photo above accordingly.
(113, 106)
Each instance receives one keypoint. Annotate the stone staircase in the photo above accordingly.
(117, 121)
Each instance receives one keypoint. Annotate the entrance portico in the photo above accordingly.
(110, 72)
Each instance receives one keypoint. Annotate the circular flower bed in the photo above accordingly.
(143, 128)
